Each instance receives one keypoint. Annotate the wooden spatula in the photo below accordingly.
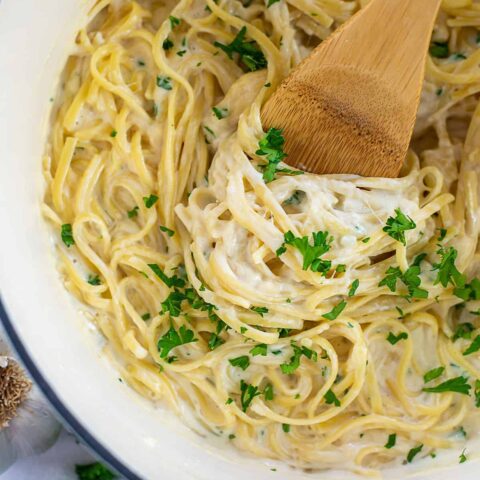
(350, 106)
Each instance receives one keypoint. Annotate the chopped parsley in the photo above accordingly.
(474, 346)
(311, 253)
(286, 427)
(340, 268)
(392, 440)
(174, 21)
(439, 49)
(220, 112)
(133, 212)
(268, 392)
(94, 280)
(146, 316)
(366, 240)
(251, 57)
(260, 349)
(248, 393)
(242, 362)
(447, 271)
(113, 133)
(336, 311)
(443, 234)
(271, 2)
(164, 82)
(150, 201)
(295, 199)
(433, 374)
(169, 232)
(477, 393)
(464, 330)
(172, 281)
(294, 363)
(94, 471)
(181, 53)
(260, 310)
(393, 339)
(173, 303)
(410, 278)
(413, 453)
(457, 384)
(353, 287)
(174, 339)
(396, 227)
(167, 44)
(271, 146)
(331, 398)
(463, 457)
(67, 235)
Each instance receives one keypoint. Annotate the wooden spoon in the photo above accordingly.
(350, 106)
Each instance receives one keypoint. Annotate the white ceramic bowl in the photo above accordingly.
(44, 324)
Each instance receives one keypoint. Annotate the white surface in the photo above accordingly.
(34, 39)
(58, 463)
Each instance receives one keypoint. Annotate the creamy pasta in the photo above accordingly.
(326, 321)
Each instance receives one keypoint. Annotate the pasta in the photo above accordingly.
(326, 321)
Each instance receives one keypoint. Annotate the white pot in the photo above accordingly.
(53, 339)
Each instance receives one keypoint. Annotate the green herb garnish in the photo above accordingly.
(174, 21)
(172, 281)
(271, 146)
(220, 112)
(248, 393)
(260, 349)
(353, 287)
(311, 253)
(169, 232)
(396, 227)
(413, 452)
(392, 440)
(94, 280)
(439, 49)
(336, 311)
(457, 384)
(331, 398)
(167, 44)
(251, 57)
(164, 82)
(67, 235)
(268, 392)
(393, 339)
(289, 368)
(433, 374)
(174, 339)
(260, 310)
(474, 346)
(242, 362)
(94, 471)
(133, 212)
(285, 427)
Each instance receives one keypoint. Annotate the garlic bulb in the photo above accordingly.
(27, 426)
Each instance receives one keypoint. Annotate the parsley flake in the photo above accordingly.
(173, 339)
(336, 311)
(392, 440)
(67, 235)
(94, 471)
(393, 339)
(474, 346)
(457, 384)
(413, 453)
(164, 82)
(271, 146)
(169, 232)
(220, 112)
(331, 398)
(396, 227)
(94, 280)
(260, 349)
(248, 393)
(433, 374)
(353, 287)
(242, 362)
(133, 212)
(251, 57)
